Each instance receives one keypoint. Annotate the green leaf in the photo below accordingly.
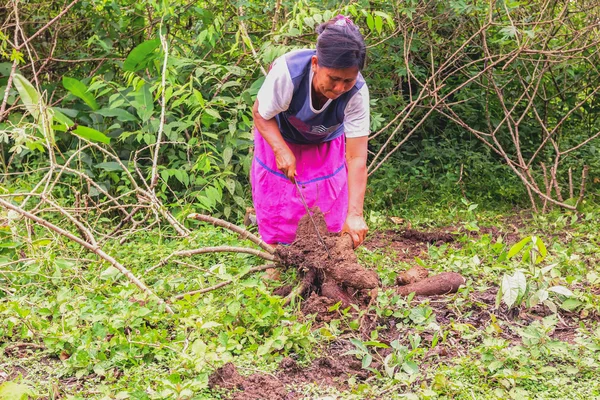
(60, 263)
(5, 68)
(144, 104)
(561, 290)
(230, 185)
(227, 154)
(370, 22)
(213, 113)
(99, 369)
(91, 134)
(109, 166)
(366, 361)
(518, 247)
(541, 248)
(15, 391)
(538, 297)
(263, 349)
(119, 113)
(310, 22)
(29, 95)
(209, 325)
(198, 97)
(378, 24)
(509, 31)
(359, 345)
(551, 306)
(79, 89)
(62, 118)
(140, 55)
(570, 304)
(377, 344)
(234, 307)
(513, 287)
(109, 273)
(410, 367)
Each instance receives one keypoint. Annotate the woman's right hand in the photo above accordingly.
(286, 162)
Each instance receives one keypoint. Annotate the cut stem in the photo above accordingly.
(244, 234)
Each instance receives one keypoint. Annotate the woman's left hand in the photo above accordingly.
(357, 228)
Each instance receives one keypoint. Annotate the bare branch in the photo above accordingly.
(163, 106)
(52, 21)
(93, 248)
(217, 249)
(244, 234)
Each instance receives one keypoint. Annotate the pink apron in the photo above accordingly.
(322, 175)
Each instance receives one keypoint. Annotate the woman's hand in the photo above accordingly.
(286, 162)
(284, 158)
(357, 228)
(356, 159)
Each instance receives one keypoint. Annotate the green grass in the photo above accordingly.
(95, 335)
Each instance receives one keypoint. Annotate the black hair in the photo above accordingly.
(340, 44)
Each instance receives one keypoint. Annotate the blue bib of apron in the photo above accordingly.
(299, 124)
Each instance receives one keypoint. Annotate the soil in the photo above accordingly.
(428, 237)
(409, 243)
(326, 371)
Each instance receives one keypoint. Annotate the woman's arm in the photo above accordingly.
(356, 159)
(269, 130)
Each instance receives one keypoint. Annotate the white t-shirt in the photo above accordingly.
(276, 93)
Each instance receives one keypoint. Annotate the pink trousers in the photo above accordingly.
(323, 178)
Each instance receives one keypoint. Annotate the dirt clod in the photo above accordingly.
(428, 237)
(283, 290)
(319, 305)
(334, 292)
(415, 274)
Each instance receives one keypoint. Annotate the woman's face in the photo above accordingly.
(333, 82)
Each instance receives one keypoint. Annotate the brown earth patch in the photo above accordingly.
(333, 370)
(325, 371)
(411, 243)
(406, 247)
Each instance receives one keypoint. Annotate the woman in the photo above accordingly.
(311, 121)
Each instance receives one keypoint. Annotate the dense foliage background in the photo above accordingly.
(443, 76)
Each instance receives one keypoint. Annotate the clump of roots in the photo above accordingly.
(333, 272)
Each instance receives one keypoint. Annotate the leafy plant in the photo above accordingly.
(518, 289)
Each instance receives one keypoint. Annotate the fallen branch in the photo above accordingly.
(224, 283)
(244, 234)
(93, 248)
(217, 249)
